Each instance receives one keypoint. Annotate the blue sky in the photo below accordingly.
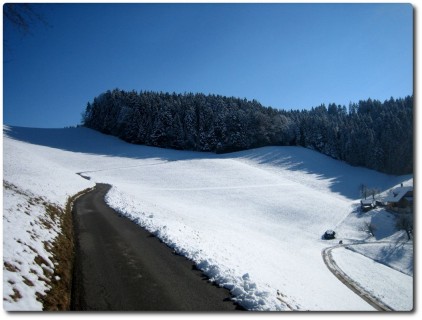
(288, 56)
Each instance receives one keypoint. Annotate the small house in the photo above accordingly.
(367, 204)
(400, 200)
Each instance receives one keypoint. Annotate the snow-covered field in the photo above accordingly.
(372, 276)
(251, 220)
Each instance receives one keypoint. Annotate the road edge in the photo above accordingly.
(58, 297)
(346, 280)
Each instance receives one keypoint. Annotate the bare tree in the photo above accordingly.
(368, 227)
(373, 192)
(363, 191)
(405, 222)
(22, 16)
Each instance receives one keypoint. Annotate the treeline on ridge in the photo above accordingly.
(377, 135)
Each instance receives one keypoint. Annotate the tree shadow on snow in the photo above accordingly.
(84, 140)
(343, 179)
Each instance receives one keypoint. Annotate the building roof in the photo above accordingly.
(397, 194)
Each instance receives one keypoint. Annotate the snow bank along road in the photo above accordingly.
(120, 266)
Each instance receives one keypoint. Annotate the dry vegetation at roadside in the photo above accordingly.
(56, 273)
(59, 296)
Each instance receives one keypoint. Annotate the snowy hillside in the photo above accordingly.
(32, 186)
(251, 220)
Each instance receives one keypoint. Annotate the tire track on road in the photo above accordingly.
(346, 280)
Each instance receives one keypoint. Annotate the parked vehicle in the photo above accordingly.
(329, 234)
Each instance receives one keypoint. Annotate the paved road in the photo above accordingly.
(352, 285)
(120, 266)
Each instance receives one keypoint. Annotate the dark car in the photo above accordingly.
(329, 234)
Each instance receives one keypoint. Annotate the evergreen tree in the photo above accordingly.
(370, 133)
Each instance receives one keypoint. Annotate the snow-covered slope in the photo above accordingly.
(251, 220)
(396, 286)
(33, 183)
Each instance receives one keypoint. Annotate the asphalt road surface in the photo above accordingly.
(345, 279)
(119, 266)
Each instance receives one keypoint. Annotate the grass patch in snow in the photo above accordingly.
(58, 298)
(10, 267)
(46, 270)
(16, 295)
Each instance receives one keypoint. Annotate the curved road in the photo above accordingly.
(120, 266)
(352, 285)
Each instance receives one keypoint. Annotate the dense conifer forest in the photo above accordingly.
(377, 135)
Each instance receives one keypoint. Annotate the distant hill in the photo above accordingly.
(377, 135)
